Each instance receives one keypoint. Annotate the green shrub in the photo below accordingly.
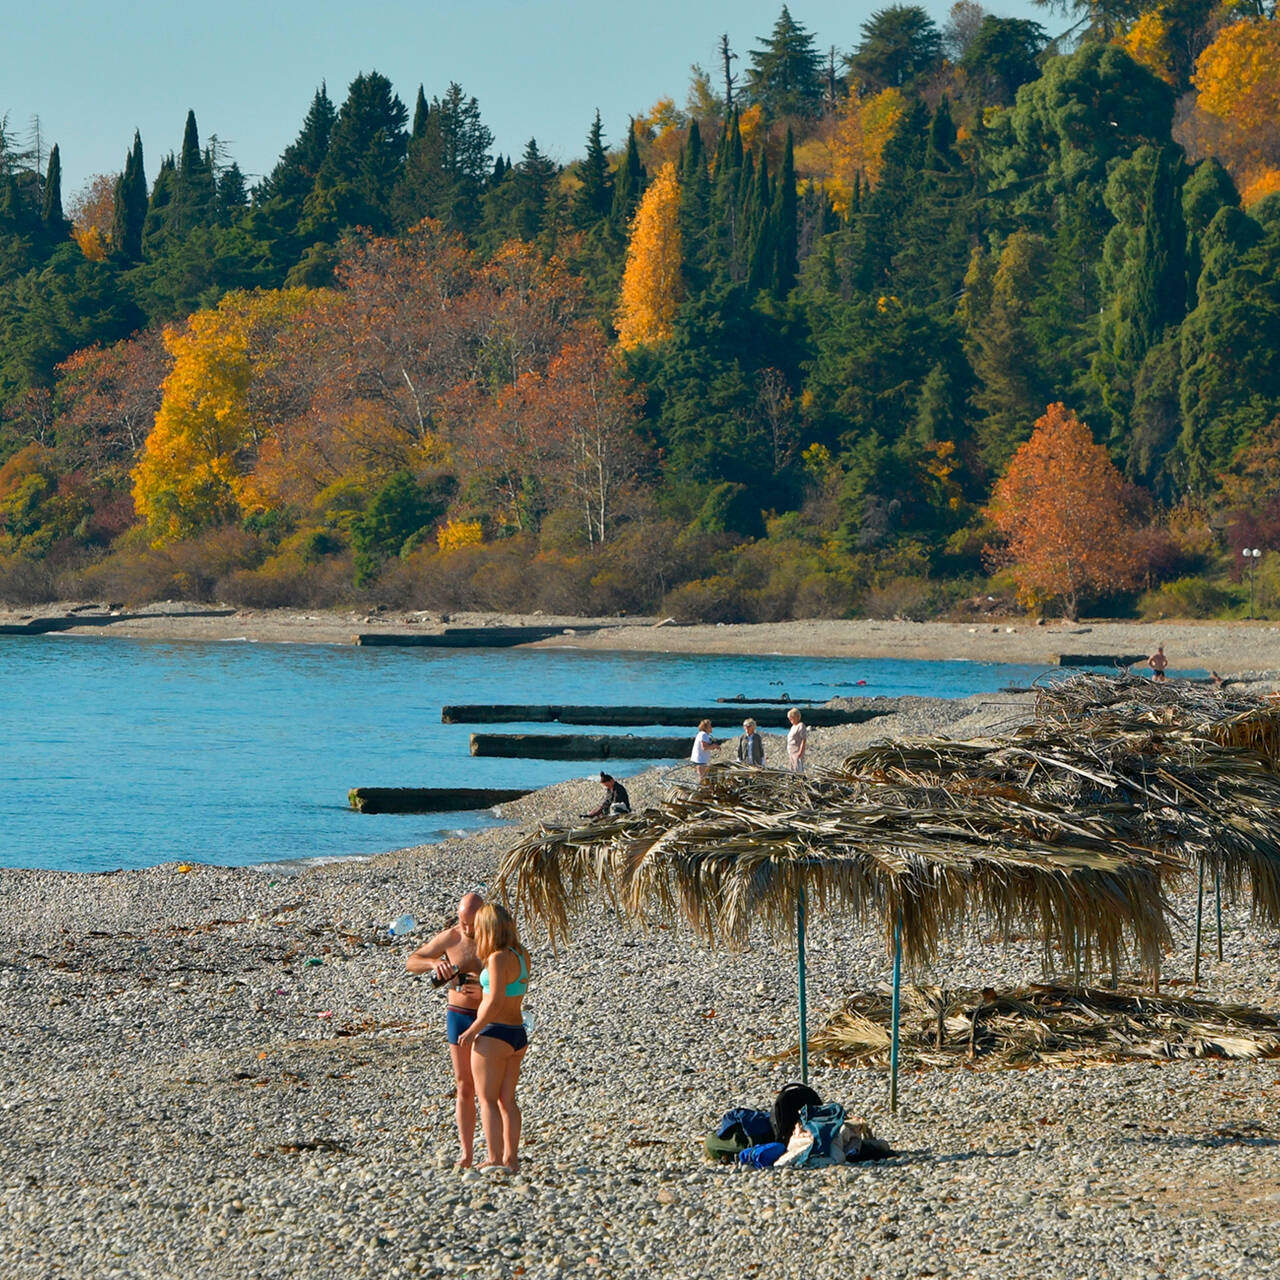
(1184, 598)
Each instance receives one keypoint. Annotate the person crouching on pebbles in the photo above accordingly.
(451, 956)
(797, 741)
(615, 802)
(497, 1038)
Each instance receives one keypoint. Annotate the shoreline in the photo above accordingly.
(1227, 647)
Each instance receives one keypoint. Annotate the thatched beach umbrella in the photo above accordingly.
(1203, 762)
(753, 847)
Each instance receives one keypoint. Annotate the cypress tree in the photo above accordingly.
(763, 242)
(56, 226)
(130, 205)
(785, 224)
(190, 158)
(420, 113)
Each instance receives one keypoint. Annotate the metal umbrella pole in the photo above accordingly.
(897, 1004)
(1217, 893)
(804, 1011)
(1195, 976)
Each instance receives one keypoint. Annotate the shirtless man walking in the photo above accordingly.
(449, 955)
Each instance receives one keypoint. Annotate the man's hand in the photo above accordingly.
(444, 970)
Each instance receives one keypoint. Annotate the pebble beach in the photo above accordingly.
(227, 1072)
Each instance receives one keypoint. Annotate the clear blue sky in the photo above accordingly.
(94, 73)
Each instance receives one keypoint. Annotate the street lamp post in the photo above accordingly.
(1251, 555)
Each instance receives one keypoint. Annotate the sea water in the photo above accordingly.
(130, 753)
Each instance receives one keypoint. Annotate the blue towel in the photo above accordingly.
(762, 1156)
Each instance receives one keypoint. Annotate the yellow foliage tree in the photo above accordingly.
(652, 284)
(1238, 76)
(196, 465)
(863, 128)
(1147, 43)
(459, 533)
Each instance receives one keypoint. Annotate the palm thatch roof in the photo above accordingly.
(1194, 772)
(1070, 825)
(1040, 1025)
(739, 850)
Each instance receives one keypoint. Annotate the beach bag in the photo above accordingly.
(762, 1156)
(792, 1099)
(823, 1123)
(756, 1125)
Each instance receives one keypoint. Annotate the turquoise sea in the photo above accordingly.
(126, 753)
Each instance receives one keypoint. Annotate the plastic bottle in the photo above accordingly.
(529, 1017)
(402, 925)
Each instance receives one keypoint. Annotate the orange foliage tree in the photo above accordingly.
(652, 283)
(1060, 508)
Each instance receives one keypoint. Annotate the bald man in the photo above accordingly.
(450, 956)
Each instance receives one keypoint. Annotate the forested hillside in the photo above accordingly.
(951, 313)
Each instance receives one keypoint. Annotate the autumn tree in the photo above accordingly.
(652, 283)
(196, 467)
(1060, 509)
(585, 394)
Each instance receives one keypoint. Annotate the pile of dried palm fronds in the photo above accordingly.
(1070, 826)
(1040, 1024)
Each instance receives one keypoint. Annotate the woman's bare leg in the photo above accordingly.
(465, 1102)
(489, 1058)
(510, 1108)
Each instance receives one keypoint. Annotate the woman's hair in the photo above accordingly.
(495, 930)
(704, 726)
(795, 711)
(749, 724)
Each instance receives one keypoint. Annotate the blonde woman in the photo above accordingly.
(497, 1038)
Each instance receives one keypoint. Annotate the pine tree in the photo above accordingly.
(695, 207)
(594, 198)
(367, 150)
(785, 76)
(295, 172)
(517, 208)
(628, 182)
(131, 205)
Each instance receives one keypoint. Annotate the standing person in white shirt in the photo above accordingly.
(703, 745)
(797, 741)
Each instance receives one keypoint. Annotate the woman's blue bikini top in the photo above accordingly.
(516, 988)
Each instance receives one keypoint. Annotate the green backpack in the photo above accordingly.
(725, 1150)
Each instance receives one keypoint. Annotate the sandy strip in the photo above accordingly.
(1227, 647)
